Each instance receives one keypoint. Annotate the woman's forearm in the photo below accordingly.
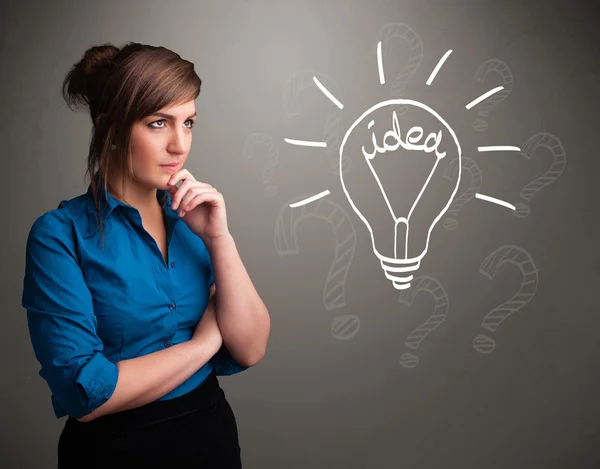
(144, 379)
(242, 316)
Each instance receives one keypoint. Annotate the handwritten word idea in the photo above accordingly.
(413, 136)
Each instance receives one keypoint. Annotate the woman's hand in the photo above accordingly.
(207, 330)
(200, 206)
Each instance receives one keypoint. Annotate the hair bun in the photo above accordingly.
(87, 78)
(98, 58)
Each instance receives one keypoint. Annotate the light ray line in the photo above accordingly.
(437, 67)
(310, 199)
(380, 64)
(327, 93)
(499, 148)
(494, 200)
(484, 96)
(305, 143)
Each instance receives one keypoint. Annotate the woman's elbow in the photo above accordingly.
(86, 418)
(255, 360)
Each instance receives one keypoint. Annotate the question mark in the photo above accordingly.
(549, 141)
(294, 87)
(273, 151)
(401, 30)
(498, 66)
(522, 259)
(440, 312)
(459, 202)
(286, 242)
(345, 326)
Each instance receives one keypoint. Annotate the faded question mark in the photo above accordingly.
(295, 86)
(459, 202)
(334, 293)
(273, 158)
(440, 312)
(549, 141)
(522, 259)
(415, 56)
(498, 66)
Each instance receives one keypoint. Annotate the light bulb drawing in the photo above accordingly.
(407, 254)
(380, 137)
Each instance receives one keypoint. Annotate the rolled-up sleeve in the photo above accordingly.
(61, 320)
(224, 364)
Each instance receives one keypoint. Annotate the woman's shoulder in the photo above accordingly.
(61, 220)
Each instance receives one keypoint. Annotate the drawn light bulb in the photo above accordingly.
(386, 166)
(400, 229)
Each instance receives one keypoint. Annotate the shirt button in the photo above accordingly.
(171, 306)
(172, 265)
(167, 343)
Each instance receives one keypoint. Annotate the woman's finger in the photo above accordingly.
(193, 200)
(179, 198)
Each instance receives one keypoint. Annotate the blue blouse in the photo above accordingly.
(88, 308)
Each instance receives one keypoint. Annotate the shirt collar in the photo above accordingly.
(108, 203)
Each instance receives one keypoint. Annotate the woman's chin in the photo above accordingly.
(162, 181)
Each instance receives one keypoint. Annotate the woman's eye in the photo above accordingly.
(155, 122)
(162, 120)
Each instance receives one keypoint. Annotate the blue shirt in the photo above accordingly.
(88, 308)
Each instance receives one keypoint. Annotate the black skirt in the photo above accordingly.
(195, 430)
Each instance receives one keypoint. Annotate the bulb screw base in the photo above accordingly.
(399, 271)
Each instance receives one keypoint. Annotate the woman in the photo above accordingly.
(136, 296)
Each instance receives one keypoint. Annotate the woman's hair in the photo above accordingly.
(120, 87)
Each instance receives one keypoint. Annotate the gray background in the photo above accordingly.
(351, 379)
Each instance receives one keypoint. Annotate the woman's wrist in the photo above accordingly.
(222, 241)
(204, 349)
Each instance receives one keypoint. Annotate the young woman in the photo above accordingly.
(136, 296)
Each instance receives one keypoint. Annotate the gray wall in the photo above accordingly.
(490, 359)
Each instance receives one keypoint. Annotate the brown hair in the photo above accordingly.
(120, 87)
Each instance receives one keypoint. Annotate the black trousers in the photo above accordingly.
(196, 430)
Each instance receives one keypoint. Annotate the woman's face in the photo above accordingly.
(160, 139)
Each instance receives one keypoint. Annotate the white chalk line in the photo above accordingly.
(494, 200)
(484, 96)
(310, 199)
(437, 67)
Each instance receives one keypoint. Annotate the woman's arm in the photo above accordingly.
(242, 316)
(142, 380)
